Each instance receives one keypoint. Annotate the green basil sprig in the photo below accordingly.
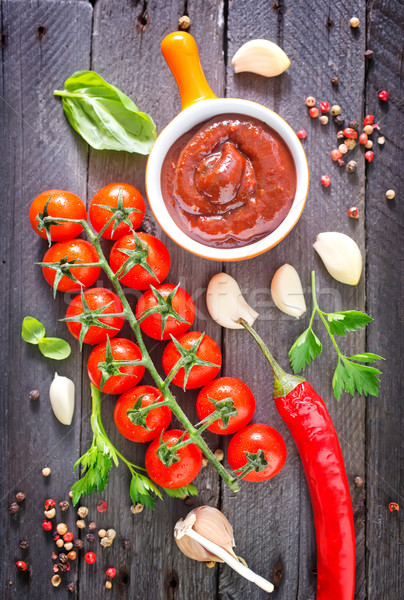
(104, 116)
(33, 332)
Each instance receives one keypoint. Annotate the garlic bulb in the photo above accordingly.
(287, 291)
(206, 535)
(262, 57)
(226, 303)
(61, 394)
(340, 255)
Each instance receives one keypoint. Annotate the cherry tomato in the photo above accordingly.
(78, 250)
(108, 196)
(180, 473)
(122, 349)
(62, 204)
(251, 439)
(219, 389)
(157, 419)
(154, 253)
(199, 375)
(182, 303)
(96, 298)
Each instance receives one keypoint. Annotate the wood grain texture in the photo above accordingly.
(384, 218)
(39, 151)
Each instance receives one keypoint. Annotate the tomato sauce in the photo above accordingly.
(229, 181)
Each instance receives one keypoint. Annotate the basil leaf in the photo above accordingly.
(32, 330)
(104, 116)
(55, 348)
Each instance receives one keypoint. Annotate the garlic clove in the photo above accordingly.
(340, 255)
(226, 303)
(61, 394)
(262, 57)
(287, 291)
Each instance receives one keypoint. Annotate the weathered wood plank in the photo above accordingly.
(384, 439)
(39, 150)
(131, 59)
(281, 523)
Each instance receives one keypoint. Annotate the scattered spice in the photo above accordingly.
(210, 564)
(383, 95)
(70, 494)
(368, 120)
(340, 162)
(34, 395)
(90, 558)
(369, 54)
(136, 508)
(111, 533)
(79, 544)
(350, 144)
(90, 537)
(24, 544)
(49, 503)
(184, 22)
(313, 112)
(102, 506)
(323, 119)
(351, 166)
(21, 565)
(335, 154)
(59, 543)
(381, 140)
(343, 148)
(326, 181)
(64, 505)
(68, 537)
(82, 511)
(92, 526)
(20, 496)
(301, 134)
(111, 572)
(369, 144)
(13, 508)
(350, 133)
(46, 471)
(335, 80)
(353, 124)
(325, 107)
(310, 101)
(339, 120)
(106, 542)
(393, 506)
(205, 463)
(390, 194)
(335, 110)
(61, 528)
(353, 212)
(72, 555)
(71, 587)
(363, 138)
(102, 533)
(369, 155)
(47, 525)
(68, 546)
(56, 580)
(108, 585)
(50, 514)
(63, 557)
(358, 481)
(340, 135)
(80, 524)
(126, 544)
(354, 22)
(54, 556)
(368, 129)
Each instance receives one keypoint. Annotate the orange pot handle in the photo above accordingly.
(181, 54)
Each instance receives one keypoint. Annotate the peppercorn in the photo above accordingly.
(323, 119)
(90, 537)
(343, 148)
(70, 494)
(64, 505)
(369, 144)
(369, 155)
(313, 112)
(72, 555)
(390, 194)
(126, 544)
(24, 544)
(335, 154)
(49, 514)
(376, 126)
(205, 462)
(111, 572)
(310, 101)
(340, 162)
(79, 544)
(108, 585)
(20, 497)
(46, 471)
(335, 80)
(219, 454)
(56, 580)
(339, 121)
(363, 138)
(353, 212)
(68, 536)
(34, 395)
(21, 565)
(351, 166)
(61, 528)
(136, 508)
(49, 503)
(47, 525)
(106, 542)
(324, 106)
(354, 22)
(369, 54)
(59, 543)
(63, 557)
(68, 546)
(340, 135)
(13, 508)
(368, 129)
(368, 120)
(354, 124)
(210, 564)
(335, 110)
(393, 506)
(381, 140)
(92, 526)
(80, 524)
(111, 533)
(102, 533)
(189, 501)
(350, 144)
(57, 567)
(82, 512)
(71, 587)
(301, 134)
(325, 181)
(90, 558)
(350, 133)
(54, 556)
(383, 96)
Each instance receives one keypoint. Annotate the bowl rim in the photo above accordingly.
(183, 122)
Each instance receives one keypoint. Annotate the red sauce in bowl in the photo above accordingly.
(229, 181)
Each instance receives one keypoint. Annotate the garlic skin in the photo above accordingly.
(61, 394)
(341, 256)
(226, 303)
(262, 57)
(287, 291)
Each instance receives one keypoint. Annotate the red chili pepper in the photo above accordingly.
(307, 418)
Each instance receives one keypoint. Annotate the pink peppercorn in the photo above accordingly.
(383, 96)
(350, 133)
(325, 107)
(50, 503)
(21, 565)
(368, 120)
(102, 506)
(301, 134)
(335, 154)
(325, 181)
(369, 155)
(90, 558)
(47, 525)
(353, 212)
(68, 537)
(313, 112)
(111, 572)
(363, 138)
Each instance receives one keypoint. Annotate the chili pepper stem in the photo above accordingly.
(283, 382)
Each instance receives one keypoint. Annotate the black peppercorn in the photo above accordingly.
(71, 587)
(13, 508)
(24, 544)
(126, 544)
(189, 501)
(90, 537)
(341, 162)
(335, 80)
(63, 557)
(34, 395)
(62, 567)
(351, 166)
(20, 497)
(354, 124)
(369, 54)
(339, 120)
(64, 505)
(340, 135)
(79, 544)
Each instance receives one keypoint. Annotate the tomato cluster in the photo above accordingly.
(142, 262)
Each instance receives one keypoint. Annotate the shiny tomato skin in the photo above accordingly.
(181, 473)
(199, 375)
(219, 389)
(158, 259)
(76, 250)
(182, 304)
(108, 196)
(62, 204)
(157, 419)
(122, 349)
(251, 439)
(96, 298)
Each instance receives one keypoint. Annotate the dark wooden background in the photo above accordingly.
(42, 43)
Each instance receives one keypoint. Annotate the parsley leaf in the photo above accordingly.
(354, 377)
(305, 349)
(189, 490)
(349, 320)
(140, 488)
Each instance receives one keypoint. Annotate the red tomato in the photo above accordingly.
(180, 473)
(78, 250)
(219, 389)
(157, 419)
(199, 375)
(182, 303)
(108, 196)
(62, 204)
(251, 439)
(154, 253)
(122, 349)
(96, 298)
